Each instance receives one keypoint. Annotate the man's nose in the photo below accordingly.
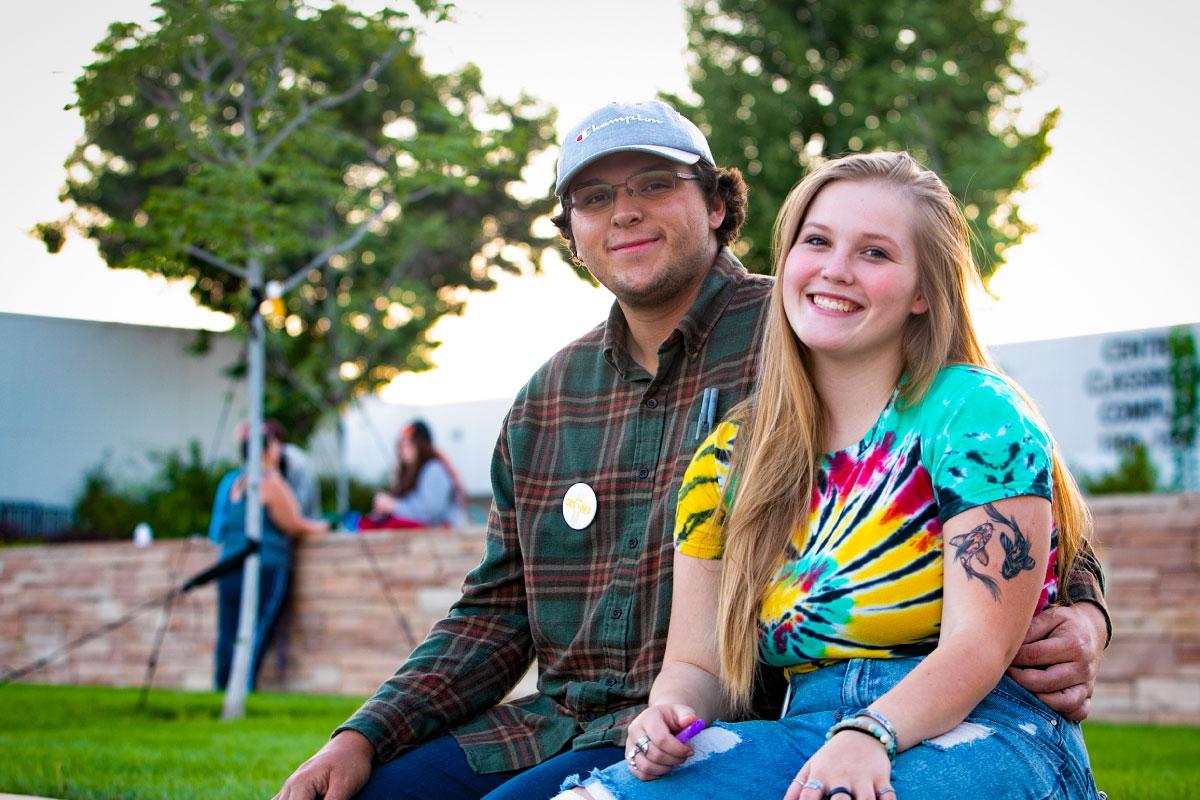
(627, 207)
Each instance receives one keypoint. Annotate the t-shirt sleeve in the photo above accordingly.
(985, 442)
(699, 515)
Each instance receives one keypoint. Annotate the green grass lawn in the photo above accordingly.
(82, 742)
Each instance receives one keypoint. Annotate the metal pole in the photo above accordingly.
(243, 652)
(343, 475)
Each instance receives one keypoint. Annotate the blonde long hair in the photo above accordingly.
(781, 425)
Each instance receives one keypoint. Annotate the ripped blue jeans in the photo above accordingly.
(1010, 746)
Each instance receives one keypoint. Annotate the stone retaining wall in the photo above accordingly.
(1150, 548)
(342, 635)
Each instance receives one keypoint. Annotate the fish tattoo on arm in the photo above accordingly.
(971, 547)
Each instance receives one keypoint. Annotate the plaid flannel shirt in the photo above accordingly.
(592, 605)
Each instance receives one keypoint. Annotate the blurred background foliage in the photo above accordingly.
(786, 84)
(310, 139)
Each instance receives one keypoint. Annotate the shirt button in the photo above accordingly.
(633, 542)
(651, 403)
(643, 473)
(611, 681)
(616, 613)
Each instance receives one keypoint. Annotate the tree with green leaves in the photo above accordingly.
(306, 142)
(784, 84)
(1184, 370)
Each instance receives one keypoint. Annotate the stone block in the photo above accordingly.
(437, 601)
(1176, 695)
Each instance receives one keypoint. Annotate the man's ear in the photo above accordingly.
(716, 211)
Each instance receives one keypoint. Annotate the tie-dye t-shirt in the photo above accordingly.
(866, 581)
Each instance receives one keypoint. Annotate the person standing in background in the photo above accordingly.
(282, 523)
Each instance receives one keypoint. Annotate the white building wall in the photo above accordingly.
(1101, 393)
(74, 393)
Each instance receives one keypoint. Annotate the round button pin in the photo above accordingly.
(579, 506)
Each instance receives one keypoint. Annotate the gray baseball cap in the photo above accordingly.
(651, 127)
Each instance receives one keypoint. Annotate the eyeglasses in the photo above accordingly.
(596, 198)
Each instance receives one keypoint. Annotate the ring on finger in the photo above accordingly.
(810, 784)
(633, 760)
(642, 745)
(884, 790)
(840, 790)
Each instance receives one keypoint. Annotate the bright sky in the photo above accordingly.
(1111, 203)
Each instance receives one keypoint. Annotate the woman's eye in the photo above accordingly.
(815, 240)
(875, 253)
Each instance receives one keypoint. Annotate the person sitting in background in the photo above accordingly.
(282, 522)
(425, 491)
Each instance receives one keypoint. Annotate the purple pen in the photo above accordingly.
(690, 730)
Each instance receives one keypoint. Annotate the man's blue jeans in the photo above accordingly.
(438, 770)
(1010, 746)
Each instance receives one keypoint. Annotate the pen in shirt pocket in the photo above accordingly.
(708, 413)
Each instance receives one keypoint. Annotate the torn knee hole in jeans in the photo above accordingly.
(963, 733)
(573, 788)
(709, 742)
(606, 784)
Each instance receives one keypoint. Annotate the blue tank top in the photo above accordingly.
(276, 550)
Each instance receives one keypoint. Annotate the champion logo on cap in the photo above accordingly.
(626, 118)
(651, 127)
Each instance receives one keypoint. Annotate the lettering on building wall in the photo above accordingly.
(1149, 345)
(1133, 388)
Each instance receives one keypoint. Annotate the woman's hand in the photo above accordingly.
(851, 761)
(655, 730)
(384, 504)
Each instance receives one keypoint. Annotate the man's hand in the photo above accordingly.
(1059, 658)
(336, 772)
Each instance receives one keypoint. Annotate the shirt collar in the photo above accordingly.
(726, 275)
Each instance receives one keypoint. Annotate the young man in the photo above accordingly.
(578, 561)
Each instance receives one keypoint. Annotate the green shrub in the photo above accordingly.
(362, 495)
(1135, 474)
(175, 502)
(103, 510)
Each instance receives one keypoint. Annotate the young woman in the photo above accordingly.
(282, 523)
(881, 520)
(425, 491)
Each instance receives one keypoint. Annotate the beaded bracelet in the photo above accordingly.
(870, 728)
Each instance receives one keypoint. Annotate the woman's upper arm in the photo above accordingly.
(996, 557)
(692, 637)
(281, 505)
(699, 545)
